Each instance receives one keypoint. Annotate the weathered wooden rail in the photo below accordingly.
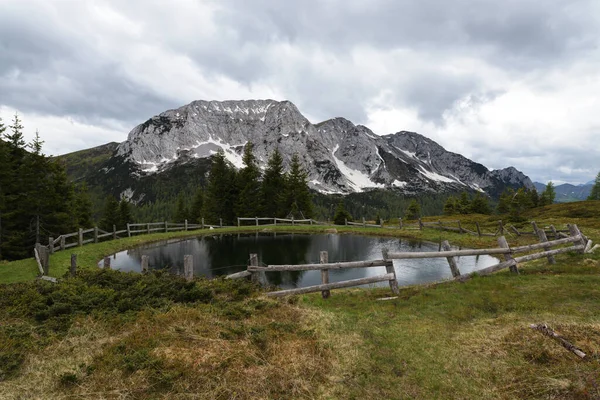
(267, 221)
(579, 243)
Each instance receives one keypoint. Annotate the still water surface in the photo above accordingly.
(225, 254)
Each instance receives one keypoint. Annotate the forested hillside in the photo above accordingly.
(37, 200)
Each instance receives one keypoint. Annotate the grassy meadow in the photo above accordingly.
(106, 334)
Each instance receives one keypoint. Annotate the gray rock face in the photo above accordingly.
(340, 157)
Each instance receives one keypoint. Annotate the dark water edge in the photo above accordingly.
(224, 254)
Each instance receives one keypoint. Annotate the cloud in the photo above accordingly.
(510, 82)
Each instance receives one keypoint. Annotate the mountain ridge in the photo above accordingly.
(339, 156)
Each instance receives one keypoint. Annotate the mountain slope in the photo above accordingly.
(339, 156)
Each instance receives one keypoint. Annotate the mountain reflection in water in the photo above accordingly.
(223, 254)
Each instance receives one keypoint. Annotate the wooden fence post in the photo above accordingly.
(80, 237)
(238, 222)
(574, 231)
(500, 228)
(275, 221)
(220, 222)
(292, 220)
(51, 244)
(389, 268)
(554, 233)
(420, 223)
(62, 242)
(166, 227)
(381, 222)
(507, 256)
(106, 262)
(256, 220)
(73, 269)
(188, 267)
(95, 234)
(324, 259)
(346, 221)
(364, 224)
(543, 239)
(451, 260)
(185, 225)
(144, 264)
(254, 263)
(460, 230)
(114, 232)
(202, 221)
(400, 222)
(128, 230)
(478, 229)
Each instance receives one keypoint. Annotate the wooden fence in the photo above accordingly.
(266, 221)
(578, 242)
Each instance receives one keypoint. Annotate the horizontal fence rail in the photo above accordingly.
(578, 241)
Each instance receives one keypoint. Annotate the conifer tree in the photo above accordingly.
(480, 205)
(505, 200)
(220, 192)
(414, 210)
(82, 207)
(451, 206)
(271, 190)
(181, 210)
(595, 192)
(548, 195)
(197, 206)
(124, 213)
(464, 204)
(110, 215)
(297, 197)
(248, 203)
(15, 138)
(341, 215)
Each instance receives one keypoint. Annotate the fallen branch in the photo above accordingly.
(549, 332)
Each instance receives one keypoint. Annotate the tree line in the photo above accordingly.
(37, 200)
(229, 193)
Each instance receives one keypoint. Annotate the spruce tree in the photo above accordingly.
(181, 210)
(248, 203)
(297, 197)
(82, 207)
(220, 192)
(480, 205)
(451, 206)
(341, 215)
(505, 200)
(548, 195)
(414, 210)
(595, 192)
(110, 216)
(197, 206)
(271, 188)
(124, 213)
(464, 204)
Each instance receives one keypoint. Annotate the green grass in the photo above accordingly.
(106, 334)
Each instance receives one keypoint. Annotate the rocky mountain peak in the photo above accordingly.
(338, 155)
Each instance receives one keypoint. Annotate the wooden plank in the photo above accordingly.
(144, 264)
(389, 268)
(543, 239)
(68, 246)
(38, 260)
(508, 256)
(87, 241)
(451, 260)
(253, 264)
(237, 275)
(105, 235)
(574, 231)
(324, 259)
(73, 267)
(68, 235)
(85, 231)
(49, 279)
(329, 286)
(311, 267)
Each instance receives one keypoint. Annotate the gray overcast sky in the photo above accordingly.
(512, 82)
